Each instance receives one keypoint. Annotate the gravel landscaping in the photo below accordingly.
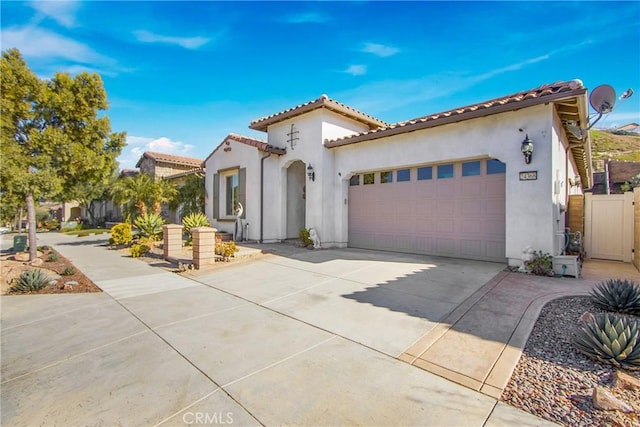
(555, 382)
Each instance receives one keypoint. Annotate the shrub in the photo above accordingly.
(68, 271)
(83, 234)
(51, 224)
(622, 296)
(611, 338)
(31, 281)
(139, 249)
(150, 225)
(121, 234)
(305, 237)
(226, 250)
(194, 220)
(53, 257)
(541, 264)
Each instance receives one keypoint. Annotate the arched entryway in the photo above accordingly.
(296, 203)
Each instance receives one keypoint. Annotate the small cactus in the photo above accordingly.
(31, 281)
(611, 338)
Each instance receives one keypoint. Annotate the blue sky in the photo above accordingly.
(180, 76)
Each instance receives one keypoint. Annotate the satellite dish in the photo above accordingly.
(602, 99)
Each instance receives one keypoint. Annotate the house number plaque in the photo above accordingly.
(528, 176)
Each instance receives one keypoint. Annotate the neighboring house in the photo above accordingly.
(615, 175)
(630, 127)
(161, 165)
(172, 168)
(453, 183)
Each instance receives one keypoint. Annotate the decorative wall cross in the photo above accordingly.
(293, 136)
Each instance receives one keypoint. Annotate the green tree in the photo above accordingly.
(88, 193)
(52, 136)
(190, 196)
(140, 194)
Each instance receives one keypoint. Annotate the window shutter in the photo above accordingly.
(216, 196)
(242, 189)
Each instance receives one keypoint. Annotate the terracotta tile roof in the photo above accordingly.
(323, 102)
(129, 172)
(260, 144)
(170, 158)
(620, 172)
(544, 93)
(185, 173)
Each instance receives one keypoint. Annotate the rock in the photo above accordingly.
(626, 381)
(71, 283)
(36, 262)
(24, 256)
(53, 283)
(604, 400)
(67, 287)
(586, 318)
(21, 256)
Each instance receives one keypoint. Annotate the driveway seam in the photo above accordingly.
(74, 356)
(299, 320)
(187, 359)
(58, 314)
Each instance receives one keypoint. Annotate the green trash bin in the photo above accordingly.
(19, 243)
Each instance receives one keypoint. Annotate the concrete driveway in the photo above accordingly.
(383, 300)
(296, 338)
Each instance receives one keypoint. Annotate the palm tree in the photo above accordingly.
(140, 193)
(133, 193)
(163, 192)
(191, 196)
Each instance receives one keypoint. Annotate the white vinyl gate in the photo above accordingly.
(609, 226)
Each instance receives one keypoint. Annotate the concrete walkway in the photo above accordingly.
(479, 344)
(160, 349)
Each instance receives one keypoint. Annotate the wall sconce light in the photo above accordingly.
(527, 149)
(310, 173)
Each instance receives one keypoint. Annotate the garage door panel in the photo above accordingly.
(445, 207)
(471, 188)
(445, 187)
(471, 248)
(459, 216)
(472, 207)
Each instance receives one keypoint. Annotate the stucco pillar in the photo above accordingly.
(204, 245)
(172, 240)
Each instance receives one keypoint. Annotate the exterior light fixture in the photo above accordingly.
(527, 149)
(311, 173)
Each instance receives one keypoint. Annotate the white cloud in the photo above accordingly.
(63, 12)
(185, 42)
(137, 145)
(380, 49)
(356, 70)
(40, 43)
(307, 17)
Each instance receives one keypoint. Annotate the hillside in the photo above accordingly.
(607, 145)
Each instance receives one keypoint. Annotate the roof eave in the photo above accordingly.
(371, 122)
(454, 118)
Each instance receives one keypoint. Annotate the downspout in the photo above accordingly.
(262, 159)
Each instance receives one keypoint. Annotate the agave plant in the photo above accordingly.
(150, 225)
(194, 220)
(618, 295)
(31, 281)
(611, 338)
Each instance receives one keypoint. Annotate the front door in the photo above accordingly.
(296, 196)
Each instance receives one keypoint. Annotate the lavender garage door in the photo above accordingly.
(451, 209)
